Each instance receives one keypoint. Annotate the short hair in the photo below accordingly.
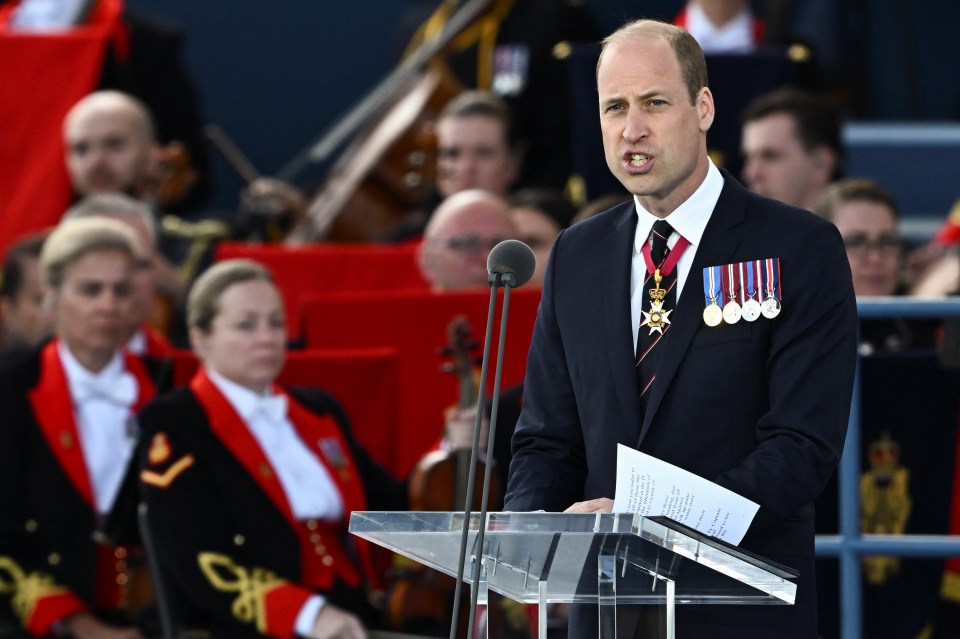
(853, 190)
(817, 121)
(118, 204)
(74, 239)
(14, 264)
(475, 103)
(693, 66)
(203, 300)
(550, 201)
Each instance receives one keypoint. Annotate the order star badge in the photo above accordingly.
(657, 318)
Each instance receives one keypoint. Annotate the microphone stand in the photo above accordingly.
(496, 280)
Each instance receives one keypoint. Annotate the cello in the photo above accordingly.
(386, 173)
(421, 598)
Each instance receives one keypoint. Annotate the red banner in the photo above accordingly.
(41, 77)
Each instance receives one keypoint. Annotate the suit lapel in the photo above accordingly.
(53, 408)
(618, 323)
(717, 246)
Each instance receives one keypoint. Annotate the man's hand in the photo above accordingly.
(273, 198)
(85, 626)
(601, 505)
(334, 623)
(458, 433)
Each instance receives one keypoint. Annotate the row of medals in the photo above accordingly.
(732, 312)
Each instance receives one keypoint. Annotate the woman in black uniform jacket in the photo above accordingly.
(249, 486)
(68, 437)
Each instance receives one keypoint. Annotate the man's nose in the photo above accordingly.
(636, 126)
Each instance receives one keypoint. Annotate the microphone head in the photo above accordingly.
(511, 263)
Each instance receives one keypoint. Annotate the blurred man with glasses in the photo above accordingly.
(460, 235)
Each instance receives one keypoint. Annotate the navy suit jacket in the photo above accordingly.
(758, 407)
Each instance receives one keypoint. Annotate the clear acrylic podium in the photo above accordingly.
(544, 558)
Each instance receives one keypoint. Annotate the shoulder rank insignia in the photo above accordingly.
(159, 453)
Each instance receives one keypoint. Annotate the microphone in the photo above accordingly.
(510, 264)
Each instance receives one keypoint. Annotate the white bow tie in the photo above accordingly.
(273, 407)
(121, 390)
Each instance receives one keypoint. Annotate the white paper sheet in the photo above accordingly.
(649, 486)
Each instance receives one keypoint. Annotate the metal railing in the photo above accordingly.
(850, 545)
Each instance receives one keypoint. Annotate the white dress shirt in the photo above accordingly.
(736, 36)
(688, 220)
(103, 407)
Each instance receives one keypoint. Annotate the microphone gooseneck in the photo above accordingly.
(510, 264)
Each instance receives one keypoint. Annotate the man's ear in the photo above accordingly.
(427, 260)
(705, 108)
(825, 160)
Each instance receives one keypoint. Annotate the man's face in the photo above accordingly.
(94, 304)
(108, 151)
(473, 153)
(454, 256)
(654, 140)
(24, 316)
(777, 165)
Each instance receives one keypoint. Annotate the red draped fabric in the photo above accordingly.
(41, 77)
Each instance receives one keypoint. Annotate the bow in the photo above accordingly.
(121, 390)
(273, 407)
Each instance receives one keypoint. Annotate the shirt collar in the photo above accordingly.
(690, 218)
(243, 400)
(77, 372)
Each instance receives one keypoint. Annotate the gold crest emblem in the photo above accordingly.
(885, 503)
(159, 449)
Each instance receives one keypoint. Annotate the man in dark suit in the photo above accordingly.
(757, 404)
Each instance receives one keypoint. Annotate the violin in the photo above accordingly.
(421, 598)
(385, 175)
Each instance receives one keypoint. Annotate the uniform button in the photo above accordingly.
(30, 525)
(315, 538)
(120, 553)
(53, 559)
(311, 524)
(239, 540)
(327, 561)
(121, 580)
(321, 548)
(318, 550)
